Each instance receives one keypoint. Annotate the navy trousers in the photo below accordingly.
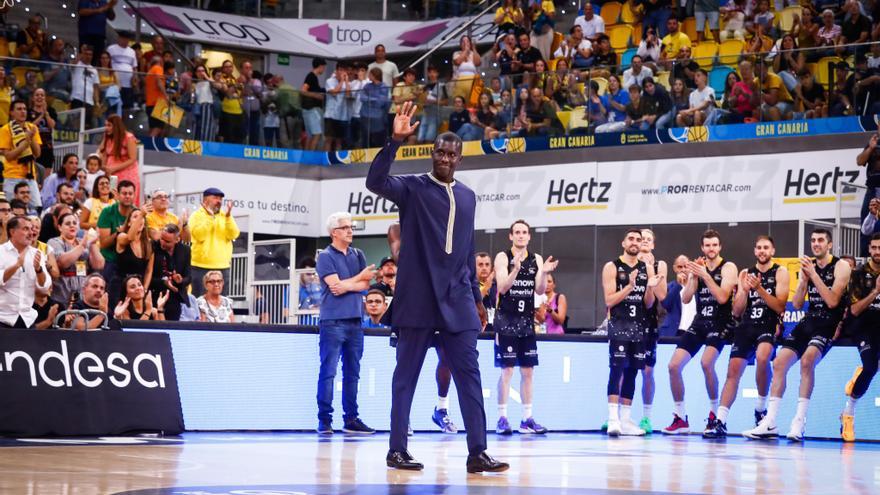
(461, 352)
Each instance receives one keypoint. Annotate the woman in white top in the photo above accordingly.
(465, 62)
(702, 103)
(213, 306)
(204, 104)
(649, 50)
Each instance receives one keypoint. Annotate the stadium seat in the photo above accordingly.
(620, 36)
(717, 79)
(611, 12)
(564, 116)
(730, 51)
(689, 27)
(704, 54)
(20, 71)
(603, 84)
(822, 73)
(627, 14)
(626, 58)
(785, 19)
(663, 79)
(637, 33)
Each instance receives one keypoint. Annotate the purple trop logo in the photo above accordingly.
(322, 33)
(327, 35)
(421, 35)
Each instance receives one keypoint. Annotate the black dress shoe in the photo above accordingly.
(402, 460)
(484, 463)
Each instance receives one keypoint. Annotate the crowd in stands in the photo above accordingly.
(79, 238)
(702, 63)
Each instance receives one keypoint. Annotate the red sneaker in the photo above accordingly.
(678, 427)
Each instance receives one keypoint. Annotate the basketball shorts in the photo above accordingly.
(748, 336)
(627, 354)
(811, 331)
(513, 350)
(700, 333)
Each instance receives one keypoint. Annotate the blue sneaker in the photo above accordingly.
(325, 427)
(531, 426)
(503, 427)
(441, 418)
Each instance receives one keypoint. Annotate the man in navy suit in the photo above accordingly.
(436, 287)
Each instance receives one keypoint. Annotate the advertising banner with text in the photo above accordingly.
(785, 186)
(87, 383)
(332, 39)
(276, 205)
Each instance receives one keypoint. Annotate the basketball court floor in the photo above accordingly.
(560, 463)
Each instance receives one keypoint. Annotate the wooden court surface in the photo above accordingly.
(302, 463)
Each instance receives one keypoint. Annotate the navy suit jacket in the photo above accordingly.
(436, 286)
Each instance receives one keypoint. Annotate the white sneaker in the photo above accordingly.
(763, 431)
(796, 433)
(614, 427)
(630, 429)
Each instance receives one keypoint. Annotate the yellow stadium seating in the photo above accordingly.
(822, 73)
(611, 12)
(637, 33)
(620, 35)
(663, 78)
(704, 53)
(603, 84)
(730, 51)
(20, 71)
(785, 19)
(558, 38)
(689, 27)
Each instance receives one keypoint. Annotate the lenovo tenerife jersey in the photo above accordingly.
(757, 312)
(708, 309)
(628, 316)
(818, 308)
(516, 307)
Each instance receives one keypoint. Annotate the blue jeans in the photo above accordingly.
(470, 132)
(656, 18)
(339, 338)
(428, 127)
(666, 119)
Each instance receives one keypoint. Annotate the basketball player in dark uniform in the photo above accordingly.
(655, 267)
(519, 273)
(759, 302)
(628, 293)
(711, 281)
(865, 308)
(443, 374)
(488, 288)
(823, 282)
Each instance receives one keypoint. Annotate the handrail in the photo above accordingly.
(455, 32)
(180, 53)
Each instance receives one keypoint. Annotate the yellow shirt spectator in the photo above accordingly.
(772, 81)
(547, 6)
(15, 169)
(212, 236)
(672, 44)
(508, 16)
(157, 222)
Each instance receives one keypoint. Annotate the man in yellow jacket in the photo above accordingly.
(212, 235)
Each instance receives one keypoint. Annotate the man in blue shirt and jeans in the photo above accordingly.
(344, 276)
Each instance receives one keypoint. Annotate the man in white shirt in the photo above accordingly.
(636, 74)
(84, 83)
(124, 62)
(390, 73)
(24, 272)
(576, 50)
(701, 102)
(592, 24)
